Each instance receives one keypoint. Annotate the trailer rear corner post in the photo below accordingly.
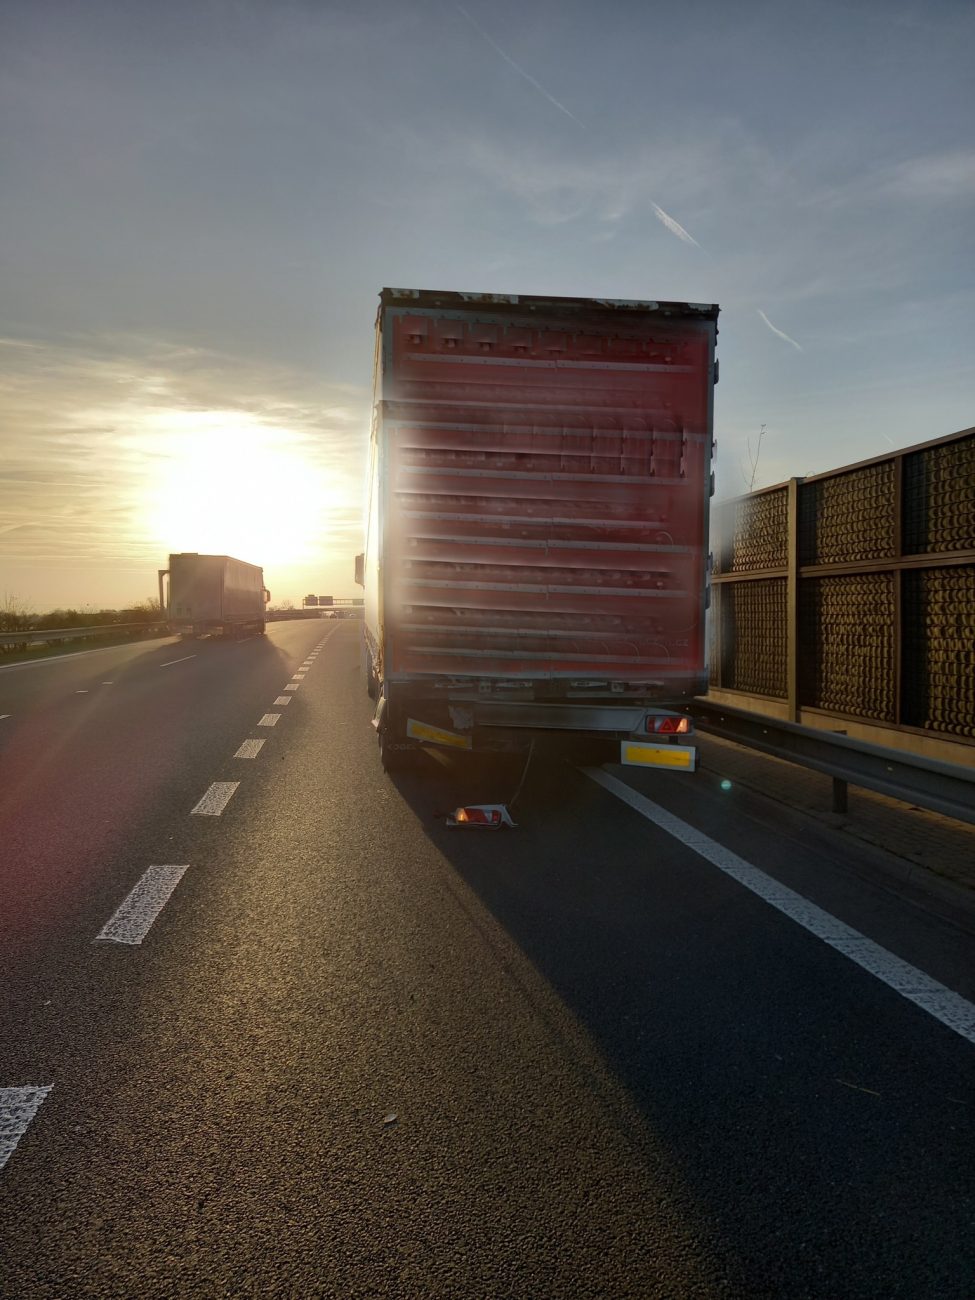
(162, 574)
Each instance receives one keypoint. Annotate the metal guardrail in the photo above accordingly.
(34, 636)
(945, 788)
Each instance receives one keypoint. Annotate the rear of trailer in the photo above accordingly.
(536, 559)
(209, 595)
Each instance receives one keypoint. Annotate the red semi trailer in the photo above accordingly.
(536, 555)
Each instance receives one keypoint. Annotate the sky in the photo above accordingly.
(200, 201)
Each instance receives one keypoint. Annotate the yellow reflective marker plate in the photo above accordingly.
(436, 735)
(682, 758)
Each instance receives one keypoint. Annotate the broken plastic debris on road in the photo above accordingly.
(481, 817)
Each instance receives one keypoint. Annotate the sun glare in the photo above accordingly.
(229, 485)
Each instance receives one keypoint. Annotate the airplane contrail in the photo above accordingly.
(780, 333)
(521, 71)
(673, 226)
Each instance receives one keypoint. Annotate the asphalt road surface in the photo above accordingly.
(269, 1028)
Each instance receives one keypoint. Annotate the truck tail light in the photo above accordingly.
(667, 724)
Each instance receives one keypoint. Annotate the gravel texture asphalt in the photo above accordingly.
(360, 1054)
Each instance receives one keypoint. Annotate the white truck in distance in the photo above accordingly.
(212, 595)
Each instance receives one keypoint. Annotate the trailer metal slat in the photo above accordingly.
(533, 476)
(532, 364)
(406, 428)
(485, 631)
(537, 589)
(649, 548)
(527, 656)
(533, 521)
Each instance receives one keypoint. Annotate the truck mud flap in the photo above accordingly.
(675, 758)
(436, 735)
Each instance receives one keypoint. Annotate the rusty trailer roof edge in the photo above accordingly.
(530, 303)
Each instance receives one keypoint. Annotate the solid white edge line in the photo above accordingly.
(133, 918)
(950, 1008)
(216, 799)
(18, 1106)
(169, 663)
(249, 749)
(269, 720)
(77, 654)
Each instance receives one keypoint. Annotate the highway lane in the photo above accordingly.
(98, 751)
(25, 686)
(613, 1071)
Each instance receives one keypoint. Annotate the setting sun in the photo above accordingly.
(232, 485)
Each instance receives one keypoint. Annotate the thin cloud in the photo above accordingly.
(934, 176)
(520, 70)
(673, 226)
(608, 188)
(775, 330)
(23, 344)
(928, 178)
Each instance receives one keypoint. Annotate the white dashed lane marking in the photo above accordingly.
(81, 692)
(284, 699)
(133, 918)
(216, 799)
(249, 749)
(292, 686)
(5, 715)
(18, 1106)
(169, 663)
(950, 1008)
(269, 720)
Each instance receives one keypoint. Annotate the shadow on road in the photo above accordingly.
(776, 1074)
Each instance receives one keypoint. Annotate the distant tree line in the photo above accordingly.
(17, 616)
